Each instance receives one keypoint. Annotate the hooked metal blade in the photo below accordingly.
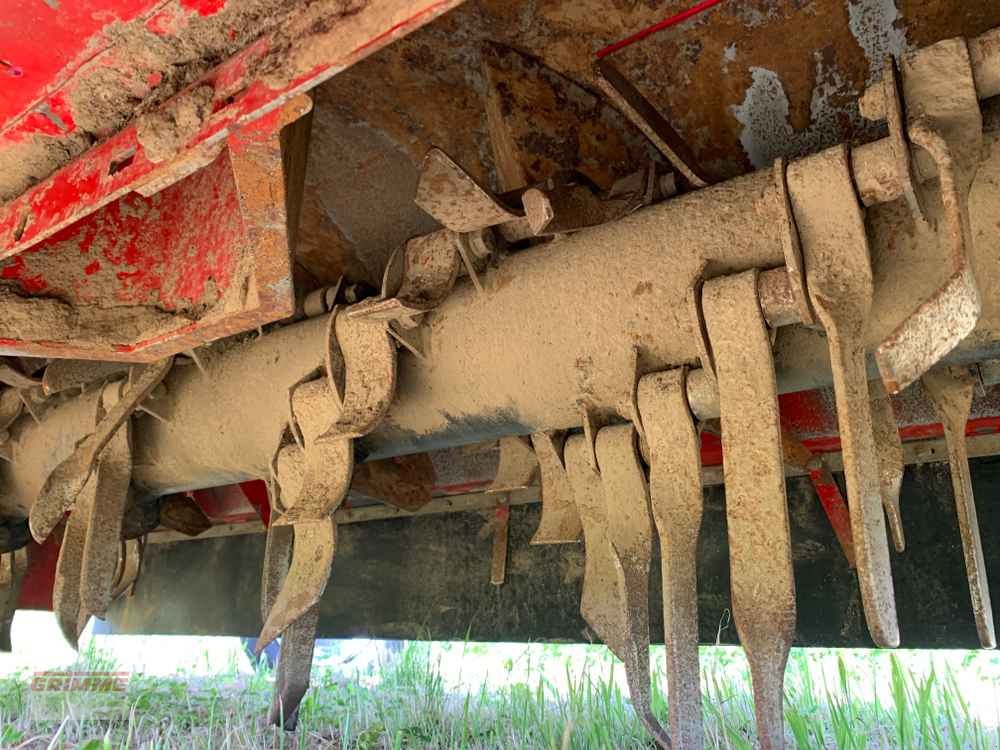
(841, 287)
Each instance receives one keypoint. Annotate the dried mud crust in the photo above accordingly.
(107, 97)
(51, 319)
(162, 132)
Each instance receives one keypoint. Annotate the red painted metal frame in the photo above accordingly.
(238, 101)
(172, 238)
(211, 249)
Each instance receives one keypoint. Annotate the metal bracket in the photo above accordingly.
(951, 391)
(760, 545)
(676, 501)
(945, 123)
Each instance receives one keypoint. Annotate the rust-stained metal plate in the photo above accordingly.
(889, 447)
(630, 536)
(68, 478)
(541, 122)
(560, 522)
(676, 499)
(839, 279)
(760, 545)
(951, 391)
(453, 197)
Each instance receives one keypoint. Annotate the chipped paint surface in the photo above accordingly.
(876, 24)
(764, 113)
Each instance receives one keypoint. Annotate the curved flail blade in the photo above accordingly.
(68, 479)
(840, 284)
(291, 679)
(600, 602)
(313, 550)
(85, 571)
